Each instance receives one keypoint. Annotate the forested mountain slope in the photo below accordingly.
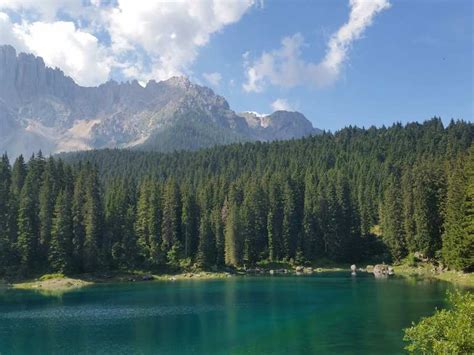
(353, 195)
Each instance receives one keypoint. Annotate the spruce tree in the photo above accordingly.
(458, 236)
(60, 250)
(5, 214)
(274, 222)
(47, 198)
(93, 222)
(27, 226)
(170, 228)
(392, 222)
(233, 242)
(206, 256)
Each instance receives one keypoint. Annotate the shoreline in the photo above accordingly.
(58, 284)
(428, 271)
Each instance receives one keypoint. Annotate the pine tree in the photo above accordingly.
(458, 237)
(5, 214)
(170, 228)
(47, 198)
(147, 223)
(233, 242)
(206, 256)
(290, 227)
(189, 222)
(312, 244)
(27, 226)
(274, 222)
(409, 224)
(218, 228)
(392, 222)
(427, 195)
(60, 251)
(93, 222)
(78, 220)
(119, 220)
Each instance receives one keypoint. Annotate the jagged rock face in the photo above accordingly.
(41, 108)
(280, 125)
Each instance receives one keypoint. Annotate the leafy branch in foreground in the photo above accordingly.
(447, 331)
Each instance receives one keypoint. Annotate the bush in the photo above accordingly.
(447, 331)
(410, 260)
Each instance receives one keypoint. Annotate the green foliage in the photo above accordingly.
(52, 276)
(447, 331)
(60, 248)
(375, 194)
(458, 237)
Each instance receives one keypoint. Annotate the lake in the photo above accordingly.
(323, 313)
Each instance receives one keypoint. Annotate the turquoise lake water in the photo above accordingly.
(328, 313)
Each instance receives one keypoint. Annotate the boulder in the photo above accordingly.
(382, 270)
(353, 268)
(299, 269)
(308, 270)
(369, 268)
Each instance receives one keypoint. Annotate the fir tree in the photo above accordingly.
(60, 250)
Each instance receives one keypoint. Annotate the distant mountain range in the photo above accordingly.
(41, 108)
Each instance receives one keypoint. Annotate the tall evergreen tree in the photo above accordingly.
(170, 228)
(27, 226)
(233, 242)
(458, 236)
(206, 256)
(47, 197)
(5, 214)
(60, 250)
(93, 222)
(392, 222)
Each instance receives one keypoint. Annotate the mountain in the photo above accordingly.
(41, 108)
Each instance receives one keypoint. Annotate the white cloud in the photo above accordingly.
(143, 39)
(213, 78)
(281, 105)
(170, 33)
(285, 67)
(62, 45)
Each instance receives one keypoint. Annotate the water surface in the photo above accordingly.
(324, 313)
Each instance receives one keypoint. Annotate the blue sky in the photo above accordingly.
(407, 60)
(415, 61)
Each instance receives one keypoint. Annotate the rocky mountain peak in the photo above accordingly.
(42, 108)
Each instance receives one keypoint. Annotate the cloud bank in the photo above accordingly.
(143, 39)
(285, 67)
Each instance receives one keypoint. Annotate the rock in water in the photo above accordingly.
(382, 270)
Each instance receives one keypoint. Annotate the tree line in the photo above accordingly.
(358, 194)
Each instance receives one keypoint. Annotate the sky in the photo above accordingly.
(339, 62)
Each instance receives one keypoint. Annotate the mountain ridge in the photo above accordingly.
(42, 108)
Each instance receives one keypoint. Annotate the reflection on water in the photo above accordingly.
(323, 313)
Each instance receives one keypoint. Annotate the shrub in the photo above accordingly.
(447, 331)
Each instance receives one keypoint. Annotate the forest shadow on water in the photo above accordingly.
(323, 313)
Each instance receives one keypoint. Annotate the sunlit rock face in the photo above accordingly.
(42, 109)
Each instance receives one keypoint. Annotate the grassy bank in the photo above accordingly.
(52, 283)
(428, 270)
(59, 283)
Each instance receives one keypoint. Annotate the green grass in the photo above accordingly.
(51, 276)
(412, 268)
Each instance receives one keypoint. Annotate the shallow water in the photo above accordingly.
(324, 313)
